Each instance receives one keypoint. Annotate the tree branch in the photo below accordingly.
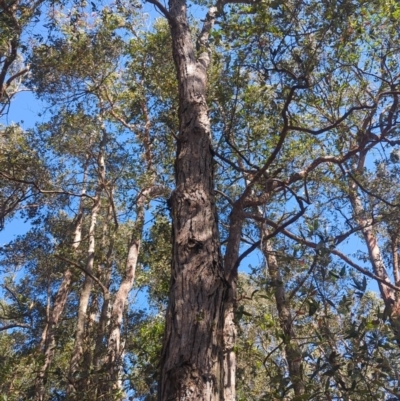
(163, 10)
(43, 191)
(83, 269)
(313, 245)
(13, 325)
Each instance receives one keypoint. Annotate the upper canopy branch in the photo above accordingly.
(162, 9)
(202, 40)
(316, 246)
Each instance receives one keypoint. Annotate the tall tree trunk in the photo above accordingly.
(48, 342)
(230, 303)
(292, 350)
(192, 361)
(388, 295)
(115, 350)
(76, 376)
(104, 319)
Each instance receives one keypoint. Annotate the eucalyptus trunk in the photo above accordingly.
(388, 295)
(192, 359)
(77, 372)
(48, 342)
(292, 350)
(115, 347)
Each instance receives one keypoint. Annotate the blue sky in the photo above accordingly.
(25, 109)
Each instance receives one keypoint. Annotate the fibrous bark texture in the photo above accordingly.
(192, 360)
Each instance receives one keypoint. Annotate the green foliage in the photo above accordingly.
(300, 94)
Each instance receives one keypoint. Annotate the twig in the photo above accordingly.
(78, 266)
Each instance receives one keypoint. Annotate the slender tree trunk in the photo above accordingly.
(104, 319)
(388, 295)
(292, 350)
(115, 349)
(192, 360)
(48, 342)
(230, 303)
(77, 377)
(395, 258)
(78, 349)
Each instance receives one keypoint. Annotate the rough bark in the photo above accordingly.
(192, 360)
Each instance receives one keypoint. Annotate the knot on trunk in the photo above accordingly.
(195, 244)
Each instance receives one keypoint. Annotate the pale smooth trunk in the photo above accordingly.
(48, 342)
(388, 295)
(77, 374)
(74, 370)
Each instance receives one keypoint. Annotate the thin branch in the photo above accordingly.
(83, 269)
(161, 8)
(43, 191)
(334, 125)
(278, 147)
(369, 192)
(233, 165)
(271, 352)
(302, 281)
(232, 203)
(278, 229)
(334, 252)
(15, 76)
(13, 325)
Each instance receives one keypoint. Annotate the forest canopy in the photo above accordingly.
(209, 194)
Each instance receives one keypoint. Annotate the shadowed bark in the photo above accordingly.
(192, 360)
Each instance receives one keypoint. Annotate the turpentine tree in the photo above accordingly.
(257, 127)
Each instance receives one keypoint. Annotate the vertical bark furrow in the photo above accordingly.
(191, 367)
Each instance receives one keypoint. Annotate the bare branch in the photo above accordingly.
(43, 191)
(331, 126)
(163, 10)
(13, 325)
(313, 245)
(83, 269)
(369, 192)
(302, 281)
(15, 76)
(278, 229)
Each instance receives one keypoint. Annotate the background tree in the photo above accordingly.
(276, 121)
